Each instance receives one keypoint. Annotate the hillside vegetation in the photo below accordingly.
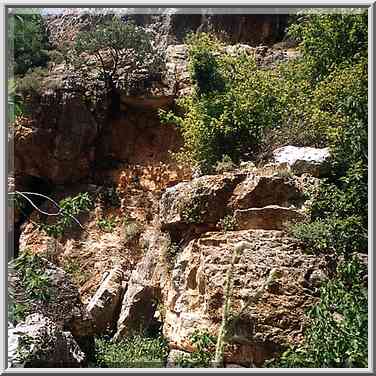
(237, 111)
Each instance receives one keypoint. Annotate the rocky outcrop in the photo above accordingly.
(196, 293)
(104, 306)
(272, 217)
(303, 159)
(58, 145)
(198, 204)
(171, 25)
(259, 191)
(39, 342)
(62, 306)
(144, 288)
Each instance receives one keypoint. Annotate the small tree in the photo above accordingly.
(116, 50)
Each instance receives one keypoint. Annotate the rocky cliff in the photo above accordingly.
(169, 241)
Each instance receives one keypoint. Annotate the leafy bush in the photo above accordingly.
(329, 40)
(203, 64)
(332, 235)
(226, 164)
(71, 207)
(34, 281)
(231, 121)
(28, 41)
(31, 82)
(338, 330)
(131, 352)
(17, 312)
(132, 230)
(203, 355)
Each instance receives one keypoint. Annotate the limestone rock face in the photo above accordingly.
(272, 217)
(303, 159)
(201, 202)
(104, 305)
(38, 342)
(58, 146)
(144, 288)
(196, 294)
(259, 191)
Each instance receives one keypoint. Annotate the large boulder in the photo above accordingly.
(303, 159)
(105, 304)
(62, 306)
(144, 288)
(196, 293)
(39, 342)
(198, 204)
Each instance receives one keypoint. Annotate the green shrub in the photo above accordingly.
(71, 207)
(17, 312)
(31, 82)
(231, 121)
(226, 164)
(28, 42)
(338, 330)
(34, 281)
(329, 40)
(203, 356)
(227, 223)
(118, 48)
(132, 230)
(107, 224)
(332, 235)
(203, 64)
(131, 352)
(73, 267)
(109, 196)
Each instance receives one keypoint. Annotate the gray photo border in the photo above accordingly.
(264, 7)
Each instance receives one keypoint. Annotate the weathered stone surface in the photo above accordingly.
(272, 217)
(173, 356)
(63, 306)
(39, 342)
(104, 305)
(200, 202)
(144, 288)
(195, 296)
(172, 25)
(303, 159)
(59, 145)
(259, 191)
(137, 137)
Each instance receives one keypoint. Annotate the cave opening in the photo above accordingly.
(33, 184)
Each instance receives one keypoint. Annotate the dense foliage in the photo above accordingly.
(28, 41)
(232, 104)
(319, 99)
(131, 352)
(203, 355)
(34, 285)
(114, 48)
(338, 332)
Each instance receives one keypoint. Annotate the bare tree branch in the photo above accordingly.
(60, 212)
